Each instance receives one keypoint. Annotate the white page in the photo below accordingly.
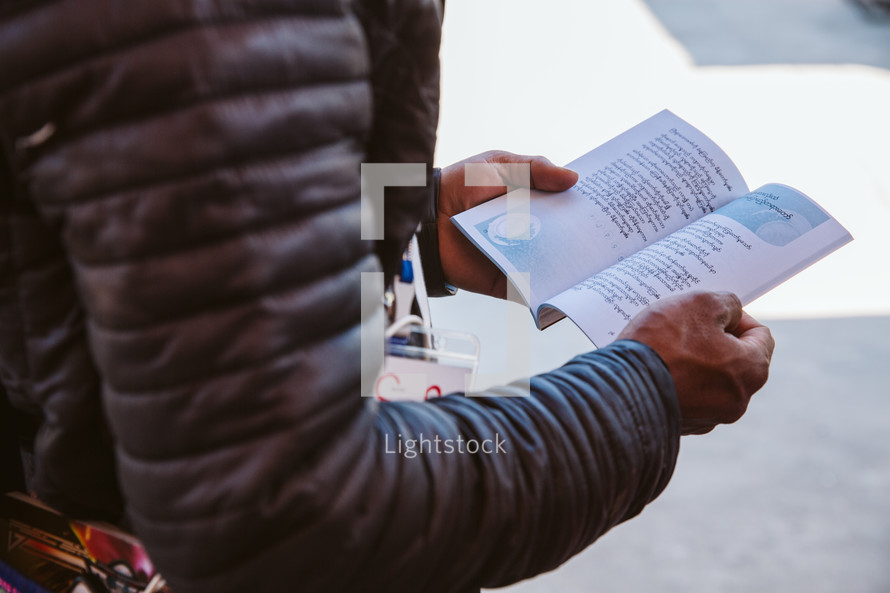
(748, 247)
(633, 190)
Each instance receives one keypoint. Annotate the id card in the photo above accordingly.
(426, 364)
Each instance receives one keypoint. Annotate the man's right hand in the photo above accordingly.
(717, 354)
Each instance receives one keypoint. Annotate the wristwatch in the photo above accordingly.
(428, 241)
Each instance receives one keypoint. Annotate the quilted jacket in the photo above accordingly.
(180, 269)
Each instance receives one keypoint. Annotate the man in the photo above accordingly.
(181, 256)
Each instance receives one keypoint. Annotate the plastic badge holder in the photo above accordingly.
(427, 363)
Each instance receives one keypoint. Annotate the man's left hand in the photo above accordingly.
(463, 265)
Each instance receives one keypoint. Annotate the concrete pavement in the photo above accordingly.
(794, 498)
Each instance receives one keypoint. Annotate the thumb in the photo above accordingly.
(549, 177)
(544, 174)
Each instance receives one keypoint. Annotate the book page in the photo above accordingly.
(633, 190)
(747, 247)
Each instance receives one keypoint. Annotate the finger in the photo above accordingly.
(752, 332)
(549, 177)
(544, 175)
(746, 328)
(696, 427)
(730, 311)
(747, 322)
(457, 195)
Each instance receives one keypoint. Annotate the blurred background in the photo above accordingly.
(796, 495)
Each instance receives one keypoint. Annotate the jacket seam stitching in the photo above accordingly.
(263, 161)
(76, 134)
(234, 370)
(225, 305)
(185, 176)
(166, 30)
(218, 241)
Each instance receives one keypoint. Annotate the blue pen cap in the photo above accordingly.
(407, 273)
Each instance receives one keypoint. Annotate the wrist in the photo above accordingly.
(428, 241)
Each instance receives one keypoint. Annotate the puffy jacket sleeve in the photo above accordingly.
(202, 179)
(594, 443)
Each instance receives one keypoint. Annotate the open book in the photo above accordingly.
(657, 211)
